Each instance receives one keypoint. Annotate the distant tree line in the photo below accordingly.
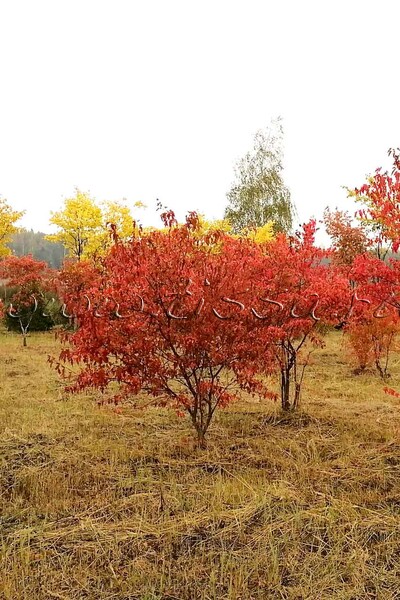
(25, 242)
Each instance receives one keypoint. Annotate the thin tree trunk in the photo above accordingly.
(285, 389)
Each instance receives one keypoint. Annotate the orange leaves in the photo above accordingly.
(391, 392)
(347, 241)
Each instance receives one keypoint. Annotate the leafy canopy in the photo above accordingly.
(192, 316)
(28, 280)
(8, 218)
(259, 194)
(380, 215)
(152, 322)
(84, 226)
(79, 222)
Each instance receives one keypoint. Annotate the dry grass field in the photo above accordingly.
(99, 505)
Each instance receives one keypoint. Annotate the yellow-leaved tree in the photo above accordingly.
(84, 226)
(8, 218)
(118, 214)
(78, 223)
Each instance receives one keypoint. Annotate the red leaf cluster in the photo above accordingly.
(167, 314)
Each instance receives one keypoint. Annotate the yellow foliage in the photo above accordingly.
(8, 218)
(260, 235)
(205, 230)
(205, 233)
(84, 227)
(119, 215)
(79, 223)
(206, 227)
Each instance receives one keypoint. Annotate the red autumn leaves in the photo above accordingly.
(193, 321)
(27, 280)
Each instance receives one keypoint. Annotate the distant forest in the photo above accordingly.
(34, 242)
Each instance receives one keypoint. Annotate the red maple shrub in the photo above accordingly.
(380, 196)
(370, 333)
(167, 316)
(194, 319)
(73, 283)
(372, 341)
(30, 281)
(306, 292)
(373, 325)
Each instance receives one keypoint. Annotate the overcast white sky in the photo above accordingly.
(149, 99)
